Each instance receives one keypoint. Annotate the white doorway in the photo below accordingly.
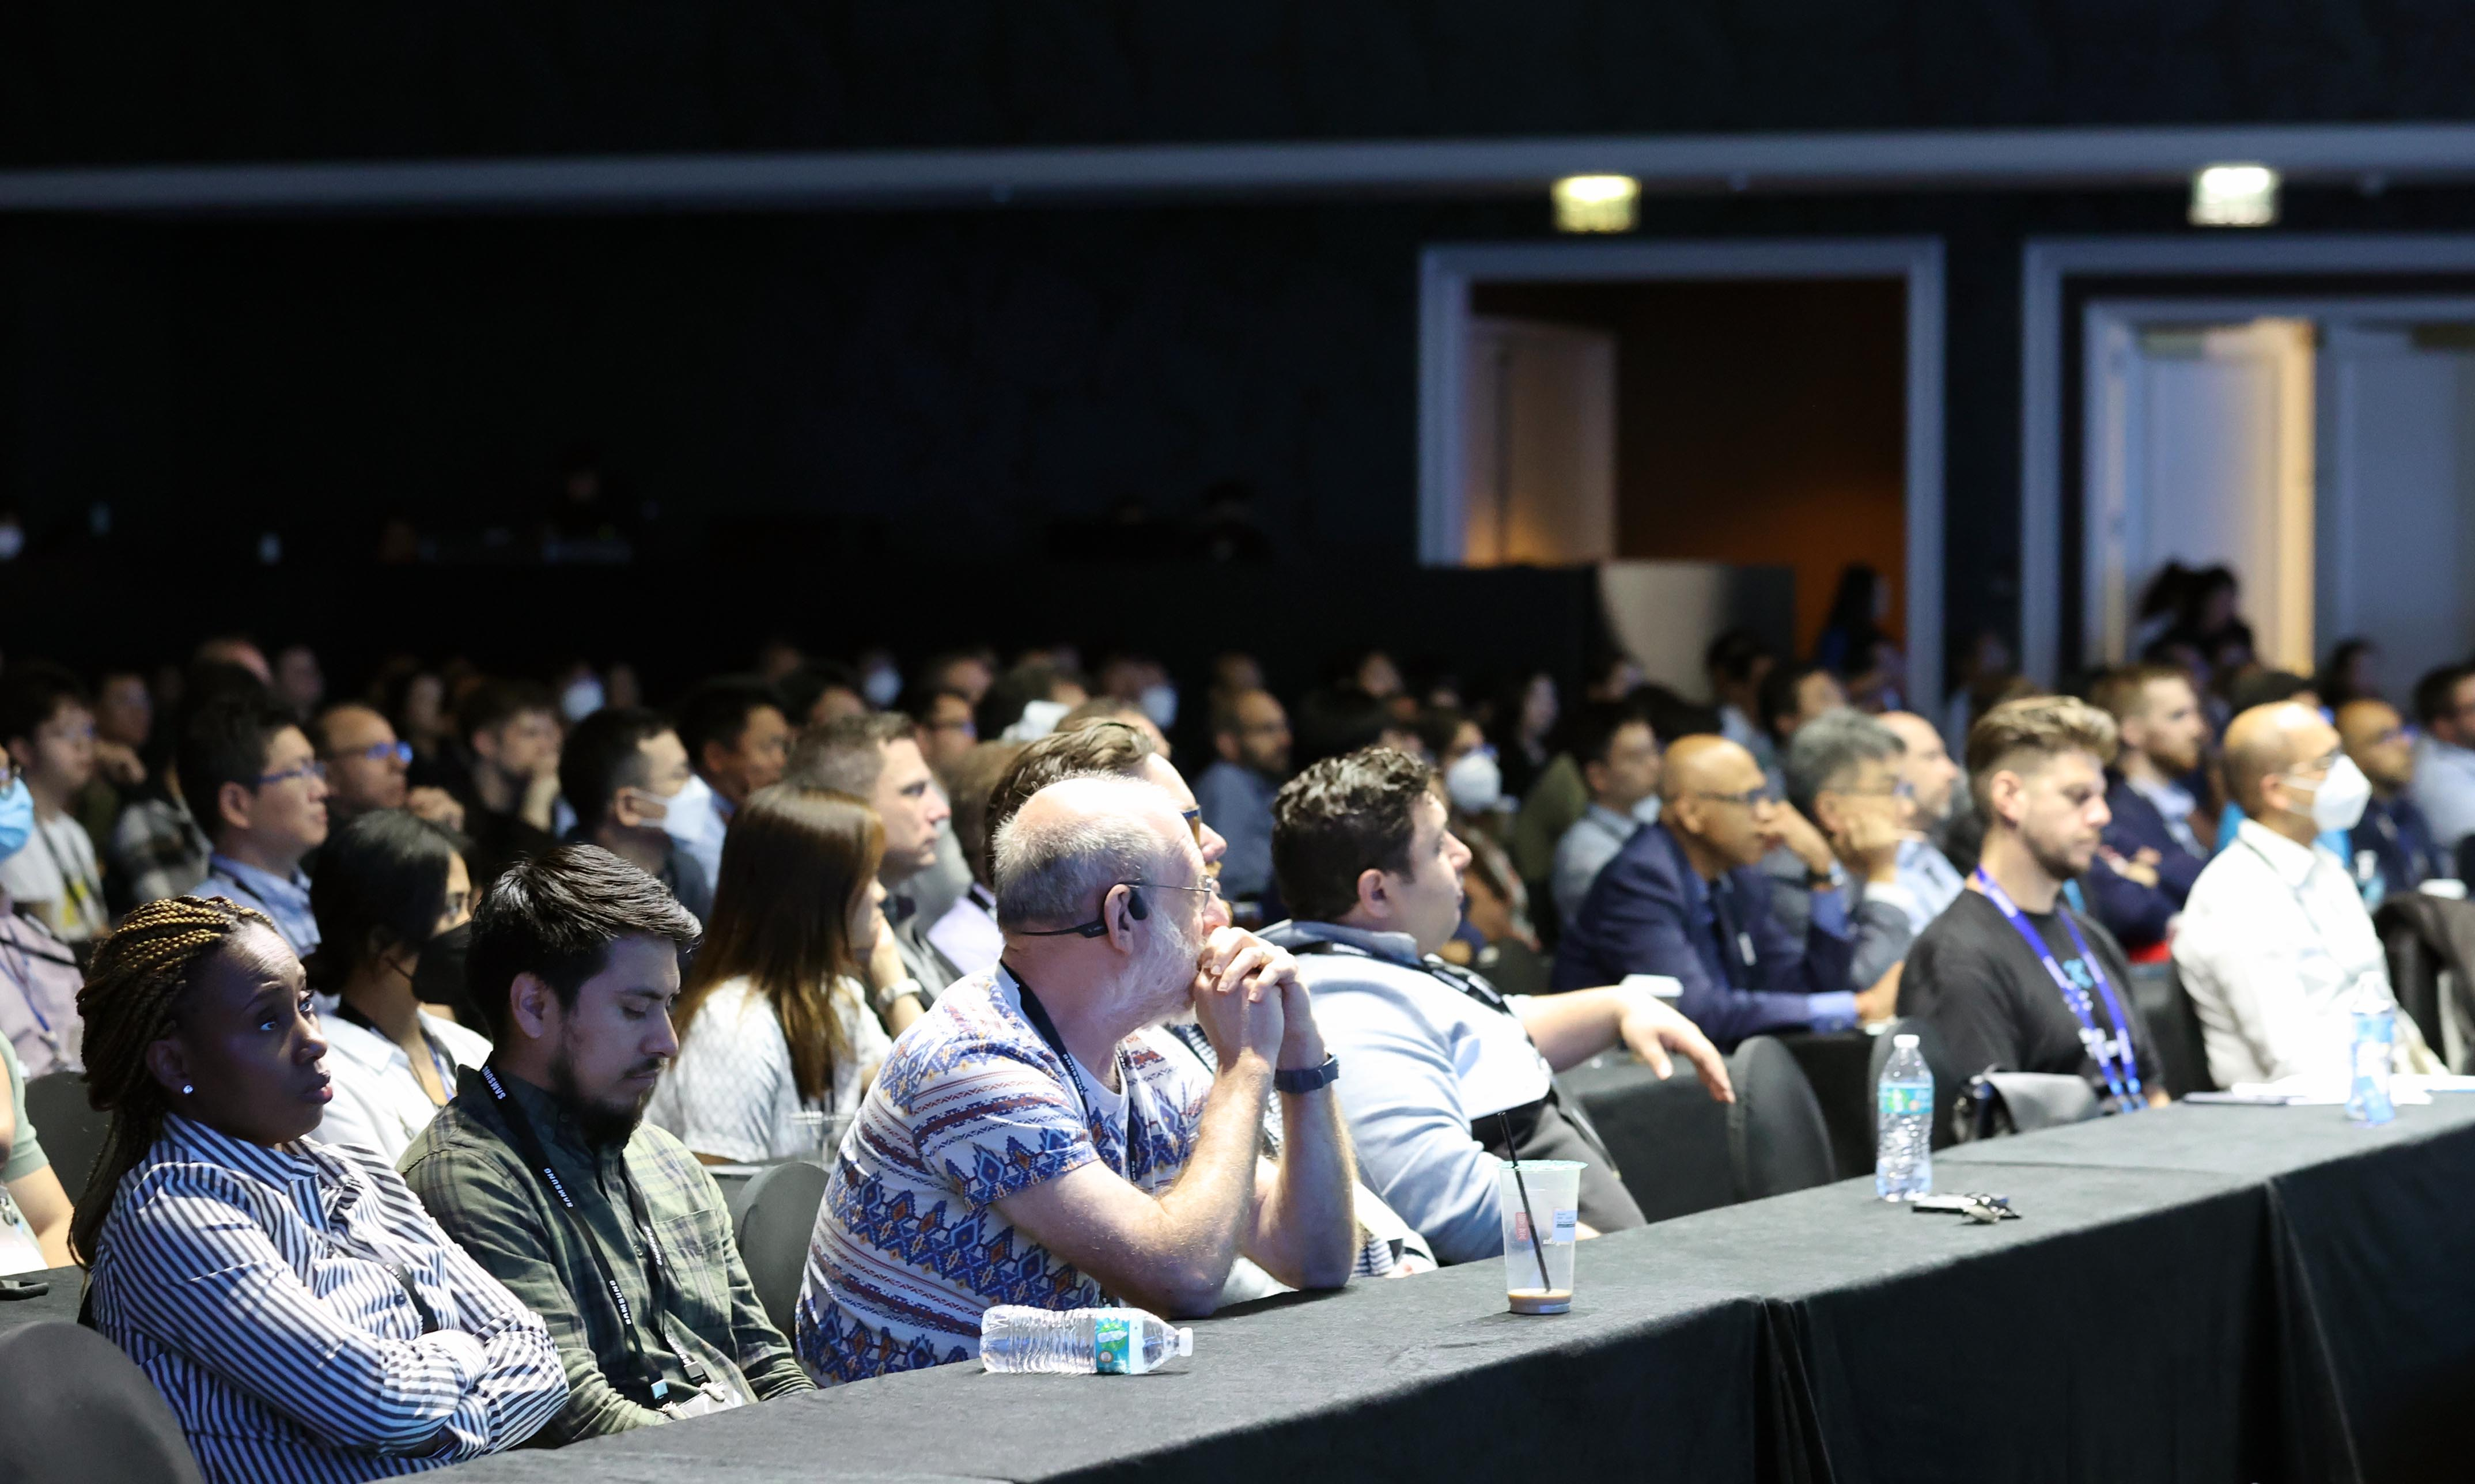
(2323, 450)
(1538, 460)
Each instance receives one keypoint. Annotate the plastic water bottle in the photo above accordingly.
(2375, 1039)
(1078, 1342)
(1903, 1123)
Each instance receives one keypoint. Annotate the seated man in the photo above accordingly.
(1251, 733)
(2152, 854)
(877, 758)
(49, 734)
(1931, 882)
(544, 1170)
(2276, 948)
(2391, 849)
(1842, 821)
(1686, 898)
(738, 742)
(2012, 978)
(1446, 1076)
(624, 770)
(2444, 755)
(1619, 757)
(965, 939)
(366, 767)
(507, 777)
(261, 794)
(1039, 1146)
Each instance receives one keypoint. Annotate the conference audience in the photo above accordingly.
(302, 1316)
(1526, 712)
(38, 972)
(261, 795)
(877, 758)
(944, 724)
(1737, 662)
(1620, 763)
(1447, 1077)
(737, 741)
(965, 939)
(1048, 1123)
(774, 1019)
(35, 1215)
(2276, 950)
(1845, 813)
(505, 771)
(2391, 850)
(368, 767)
(2012, 978)
(1686, 898)
(2444, 755)
(124, 726)
(49, 733)
(2151, 851)
(1924, 873)
(389, 884)
(1250, 730)
(1790, 696)
(543, 1169)
(624, 773)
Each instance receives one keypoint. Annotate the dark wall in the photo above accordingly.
(153, 79)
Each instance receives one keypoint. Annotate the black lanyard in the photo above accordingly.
(1037, 1014)
(528, 1144)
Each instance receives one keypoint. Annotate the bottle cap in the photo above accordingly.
(1904, 1040)
(1186, 1342)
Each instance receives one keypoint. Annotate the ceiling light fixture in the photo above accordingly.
(2234, 196)
(1596, 203)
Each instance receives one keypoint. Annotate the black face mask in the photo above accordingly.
(438, 977)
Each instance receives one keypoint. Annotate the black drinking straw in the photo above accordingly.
(1537, 1247)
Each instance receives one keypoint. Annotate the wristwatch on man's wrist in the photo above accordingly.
(1309, 1079)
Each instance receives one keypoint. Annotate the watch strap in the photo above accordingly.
(1309, 1079)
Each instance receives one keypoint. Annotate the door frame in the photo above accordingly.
(2046, 262)
(1446, 274)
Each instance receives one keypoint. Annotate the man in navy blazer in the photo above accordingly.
(2149, 855)
(1686, 897)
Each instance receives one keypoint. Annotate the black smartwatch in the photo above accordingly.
(1309, 1079)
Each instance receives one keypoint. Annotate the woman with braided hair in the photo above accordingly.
(303, 1316)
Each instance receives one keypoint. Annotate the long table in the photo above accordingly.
(2196, 1293)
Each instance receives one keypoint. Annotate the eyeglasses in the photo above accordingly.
(379, 752)
(1900, 790)
(1750, 798)
(309, 770)
(1098, 926)
(1210, 886)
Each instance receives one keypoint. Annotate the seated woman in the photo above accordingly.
(387, 885)
(773, 1020)
(301, 1312)
(35, 1213)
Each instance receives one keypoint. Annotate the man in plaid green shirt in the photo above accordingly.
(605, 1226)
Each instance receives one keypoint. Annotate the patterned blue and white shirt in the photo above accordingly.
(971, 1107)
(263, 1292)
(285, 903)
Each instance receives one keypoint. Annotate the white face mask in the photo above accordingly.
(687, 816)
(1475, 782)
(1160, 703)
(881, 685)
(2337, 802)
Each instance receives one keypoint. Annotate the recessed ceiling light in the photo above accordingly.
(1596, 203)
(2234, 196)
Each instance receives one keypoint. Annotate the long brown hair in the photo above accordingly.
(132, 1000)
(795, 867)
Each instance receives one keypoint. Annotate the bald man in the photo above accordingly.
(2277, 949)
(1686, 897)
(2392, 848)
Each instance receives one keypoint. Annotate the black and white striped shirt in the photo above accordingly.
(260, 1289)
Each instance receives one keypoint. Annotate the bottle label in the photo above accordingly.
(1899, 1100)
(1116, 1348)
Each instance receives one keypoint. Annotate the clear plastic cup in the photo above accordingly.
(1538, 1232)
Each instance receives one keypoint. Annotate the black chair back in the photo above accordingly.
(72, 1131)
(2173, 1024)
(1667, 1139)
(777, 1218)
(1777, 1139)
(83, 1413)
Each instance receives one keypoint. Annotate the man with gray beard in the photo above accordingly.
(1031, 1141)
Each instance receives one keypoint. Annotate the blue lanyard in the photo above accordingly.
(2123, 1083)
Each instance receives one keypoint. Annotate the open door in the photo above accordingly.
(2201, 451)
(1538, 463)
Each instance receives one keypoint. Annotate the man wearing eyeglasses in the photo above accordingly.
(366, 766)
(1844, 815)
(1686, 898)
(1035, 1139)
(2391, 849)
(260, 793)
(2276, 946)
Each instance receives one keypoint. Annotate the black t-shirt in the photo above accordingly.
(1988, 997)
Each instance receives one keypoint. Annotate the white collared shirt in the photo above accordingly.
(2277, 953)
(379, 1104)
